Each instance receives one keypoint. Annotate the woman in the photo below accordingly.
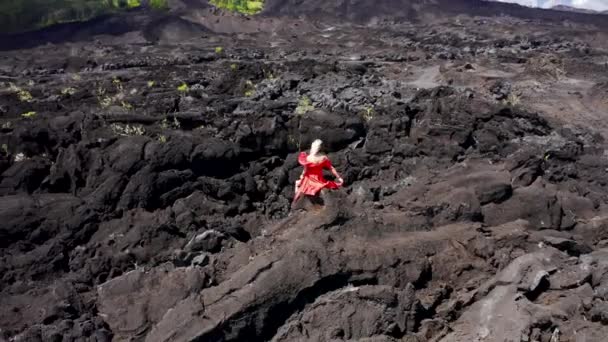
(312, 181)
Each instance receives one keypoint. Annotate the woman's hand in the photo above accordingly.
(340, 180)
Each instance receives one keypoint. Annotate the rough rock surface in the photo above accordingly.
(146, 187)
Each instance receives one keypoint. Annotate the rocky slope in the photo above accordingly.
(146, 187)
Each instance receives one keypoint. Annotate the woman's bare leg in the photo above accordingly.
(327, 198)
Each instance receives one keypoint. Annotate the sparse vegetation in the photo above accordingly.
(118, 83)
(368, 113)
(24, 95)
(269, 75)
(68, 91)
(5, 148)
(304, 106)
(219, 49)
(29, 115)
(158, 4)
(105, 100)
(126, 105)
(162, 139)
(174, 124)
(133, 3)
(128, 130)
(248, 7)
(546, 65)
(183, 88)
(512, 100)
(249, 88)
(292, 141)
(233, 67)
(151, 84)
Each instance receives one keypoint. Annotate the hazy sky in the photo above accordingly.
(598, 5)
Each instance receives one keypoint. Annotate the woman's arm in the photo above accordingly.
(336, 174)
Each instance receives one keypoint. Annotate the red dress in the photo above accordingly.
(313, 181)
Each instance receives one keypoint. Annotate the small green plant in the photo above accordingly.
(174, 124)
(304, 106)
(233, 67)
(68, 91)
(126, 105)
(512, 100)
(249, 88)
(248, 7)
(269, 75)
(5, 148)
(162, 139)
(133, 3)
(128, 130)
(368, 113)
(76, 77)
(291, 140)
(117, 83)
(29, 115)
(106, 101)
(158, 4)
(24, 95)
(151, 84)
(183, 88)
(219, 49)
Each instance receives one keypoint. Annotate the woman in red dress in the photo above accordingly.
(312, 181)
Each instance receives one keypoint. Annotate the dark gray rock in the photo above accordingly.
(209, 241)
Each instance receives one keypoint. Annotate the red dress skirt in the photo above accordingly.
(313, 181)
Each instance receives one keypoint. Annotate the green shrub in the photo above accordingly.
(133, 3)
(249, 88)
(304, 106)
(248, 7)
(175, 124)
(512, 100)
(29, 115)
(128, 130)
(24, 95)
(368, 113)
(68, 91)
(158, 4)
(183, 88)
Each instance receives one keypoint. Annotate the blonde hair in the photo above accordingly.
(315, 156)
